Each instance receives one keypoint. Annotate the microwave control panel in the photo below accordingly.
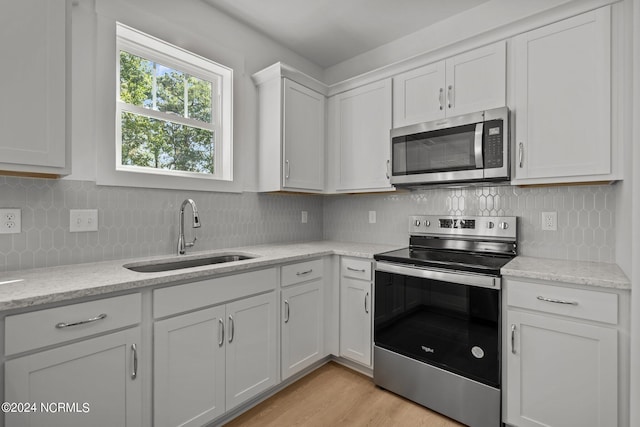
(493, 145)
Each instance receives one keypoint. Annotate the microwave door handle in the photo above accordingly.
(477, 145)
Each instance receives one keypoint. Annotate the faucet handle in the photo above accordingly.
(190, 244)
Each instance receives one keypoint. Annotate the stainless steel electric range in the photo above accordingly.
(437, 315)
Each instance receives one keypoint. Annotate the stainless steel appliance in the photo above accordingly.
(472, 147)
(437, 315)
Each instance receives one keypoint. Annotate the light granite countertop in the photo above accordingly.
(585, 273)
(20, 289)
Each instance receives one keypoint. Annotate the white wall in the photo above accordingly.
(191, 24)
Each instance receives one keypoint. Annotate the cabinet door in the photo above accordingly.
(361, 126)
(32, 105)
(251, 347)
(355, 320)
(419, 95)
(302, 331)
(303, 162)
(563, 99)
(97, 373)
(189, 368)
(476, 80)
(560, 373)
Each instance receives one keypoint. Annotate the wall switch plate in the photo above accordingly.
(83, 220)
(372, 217)
(10, 221)
(550, 221)
(304, 217)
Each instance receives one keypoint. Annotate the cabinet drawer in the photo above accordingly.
(578, 303)
(356, 268)
(41, 328)
(301, 272)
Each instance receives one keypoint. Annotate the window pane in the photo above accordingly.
(199, 95)
(136, 80)
(160, 144)
(170, 87)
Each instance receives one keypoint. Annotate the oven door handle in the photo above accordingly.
(469, 279)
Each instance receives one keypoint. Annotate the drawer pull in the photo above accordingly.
(62, 325)
(303, 273)
(359, 270)
(557, 301)
(134, 352)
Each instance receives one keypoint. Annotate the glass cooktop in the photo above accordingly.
(447, 259)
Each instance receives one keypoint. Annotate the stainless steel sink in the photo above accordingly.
(168, 265)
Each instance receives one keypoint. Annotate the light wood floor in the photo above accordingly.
(337, 396)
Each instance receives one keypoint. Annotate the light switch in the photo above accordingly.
(372, 217)
(304, 217)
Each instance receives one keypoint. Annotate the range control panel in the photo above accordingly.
(502, 227)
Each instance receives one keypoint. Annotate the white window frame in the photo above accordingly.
(221, 77)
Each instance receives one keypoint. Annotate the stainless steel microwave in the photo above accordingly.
(469, 148)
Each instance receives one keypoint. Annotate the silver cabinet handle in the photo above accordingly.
(221, 332)
(449, 96)
(513, 339)
(304, 273)
(387, 172)
(288, 170)
(557, 301)
(366, 309)
(440, 96)
(521, 154)
(231, 328)
(81, 322)
(359, 270)
(134, 352)
(286, 311)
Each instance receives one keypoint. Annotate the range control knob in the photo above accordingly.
(417, 223)
(490, 224)
(504, 225)
(427, 223)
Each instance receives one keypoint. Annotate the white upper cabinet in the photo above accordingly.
(291, 133)
(562, 84)
(359, 144)
(303, 138)
(469, 82)
(33, 102)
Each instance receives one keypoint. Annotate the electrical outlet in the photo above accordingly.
(304, 217)
(372, 217)
(10, 221)
(550, 221)
(83, 220)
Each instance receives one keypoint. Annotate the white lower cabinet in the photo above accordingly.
(302, 327)
(210, 361)
(561, 367)
(356, 306)
(96, 380)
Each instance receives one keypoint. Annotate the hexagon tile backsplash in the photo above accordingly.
(586, 229)
(137, 222)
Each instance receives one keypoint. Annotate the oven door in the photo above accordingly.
(448, 320)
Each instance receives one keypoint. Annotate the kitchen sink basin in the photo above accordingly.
(168, 265)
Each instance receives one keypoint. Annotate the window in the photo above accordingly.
(173, 110)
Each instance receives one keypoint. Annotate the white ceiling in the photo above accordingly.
(328, 32)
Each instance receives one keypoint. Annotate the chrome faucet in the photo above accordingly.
(182, 245)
